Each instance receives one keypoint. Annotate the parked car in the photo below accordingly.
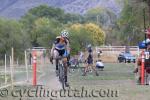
(126, 57)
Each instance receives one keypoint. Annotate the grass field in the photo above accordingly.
(116, 82)
(115, 76)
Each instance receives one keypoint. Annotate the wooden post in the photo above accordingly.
(17, 62)
(12, 67)
(26, 66)
(11, 71)
(5, 69)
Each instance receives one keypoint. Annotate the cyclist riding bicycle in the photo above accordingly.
(59, 48)
(146, 63)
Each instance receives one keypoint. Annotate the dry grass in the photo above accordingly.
(115, 76)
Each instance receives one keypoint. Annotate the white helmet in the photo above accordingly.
(89, 45)
(64, 33)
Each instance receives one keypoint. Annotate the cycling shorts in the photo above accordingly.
(62, 52)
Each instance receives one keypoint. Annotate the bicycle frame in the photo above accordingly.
(61, 70)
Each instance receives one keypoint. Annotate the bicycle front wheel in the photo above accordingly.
(62, 76)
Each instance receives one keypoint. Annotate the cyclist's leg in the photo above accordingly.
(85, 69)
(56, 55)
(94, 68)
(68, 59)
(65, 67)
(66, 72)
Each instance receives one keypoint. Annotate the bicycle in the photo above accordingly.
(62, 62)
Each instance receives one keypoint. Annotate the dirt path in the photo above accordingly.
(49, 79)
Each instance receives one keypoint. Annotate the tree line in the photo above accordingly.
(133, 20)
(99, 26)
(39, 27)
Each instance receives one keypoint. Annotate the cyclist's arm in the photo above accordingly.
(68, 46)
(53, 47)
(51, 52)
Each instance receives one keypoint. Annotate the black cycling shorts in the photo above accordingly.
(61, 52)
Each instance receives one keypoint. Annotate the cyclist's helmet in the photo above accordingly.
(89, 46)
(64, 33)
(58, 37)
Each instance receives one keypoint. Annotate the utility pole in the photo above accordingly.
(144, 19)
(149, 10)
(97, 19)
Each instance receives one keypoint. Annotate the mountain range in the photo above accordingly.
(14, 9)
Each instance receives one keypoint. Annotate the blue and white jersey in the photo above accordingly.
(60, 43)
(60, 46)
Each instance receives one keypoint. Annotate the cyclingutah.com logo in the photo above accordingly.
(19, 92)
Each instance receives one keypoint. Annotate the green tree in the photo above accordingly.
(83, 34)
(43, 23)
(101, 16)
(97, 34)
(131, 22)
(51, 13)
(44, 31)
(12, 35)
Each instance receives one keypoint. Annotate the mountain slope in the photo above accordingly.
(17, 8)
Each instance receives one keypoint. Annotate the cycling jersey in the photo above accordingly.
(90, 59)
(60, 43)
(90, 50)
(147, 59)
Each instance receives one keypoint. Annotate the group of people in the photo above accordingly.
(146, 58)
(61, 48)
